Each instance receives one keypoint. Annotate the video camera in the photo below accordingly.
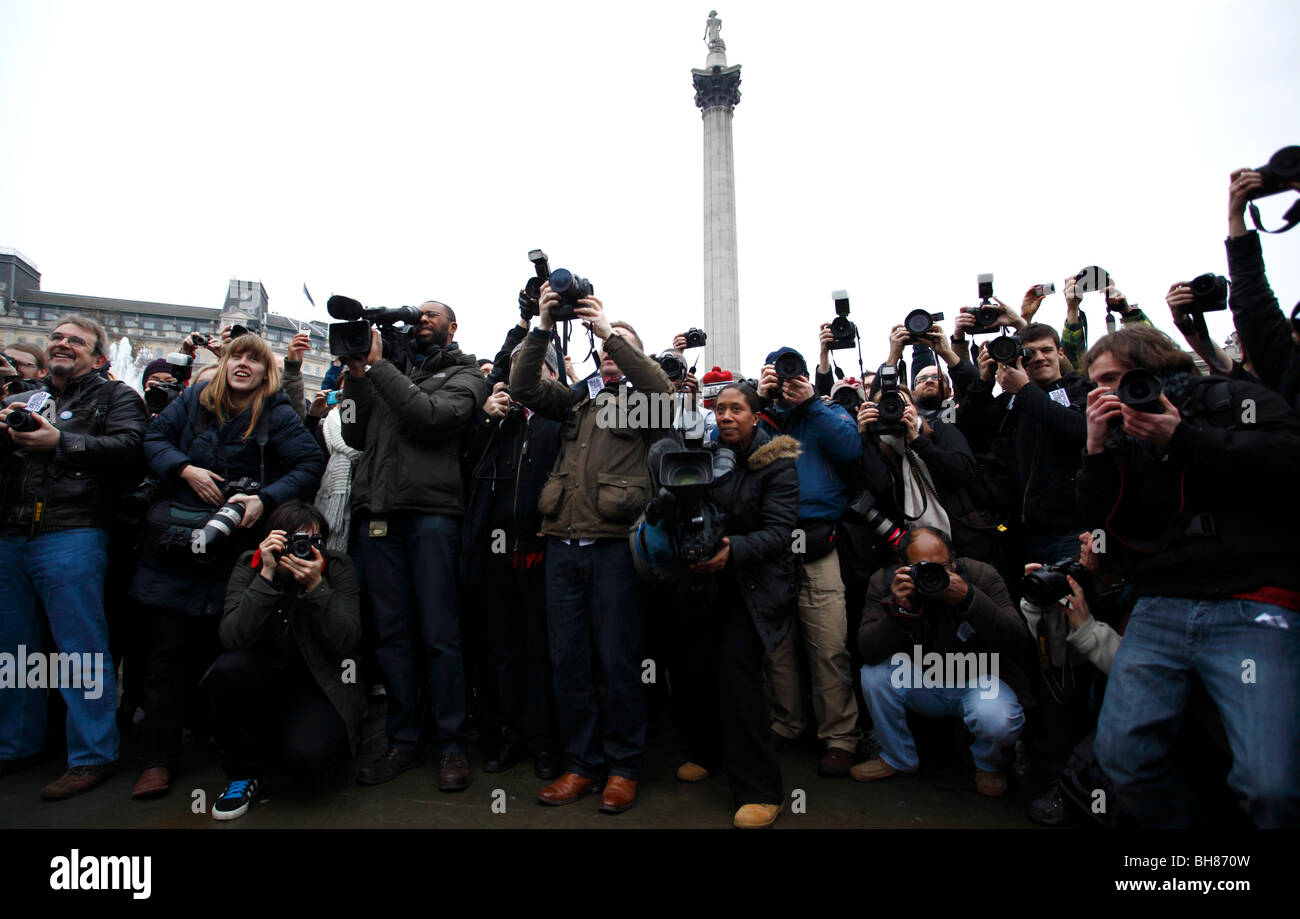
(350, 338)
(685, 477)
(845, 331)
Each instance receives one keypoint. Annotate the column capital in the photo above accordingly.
(717, 86)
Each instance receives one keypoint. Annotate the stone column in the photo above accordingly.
(717, 92)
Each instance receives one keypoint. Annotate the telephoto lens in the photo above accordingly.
(1048, 585)
(219, 526)
(931, 579)
(1140, 389)
(920, 322)
(571, 289)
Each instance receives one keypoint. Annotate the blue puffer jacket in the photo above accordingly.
(289, 466)
(830, 441)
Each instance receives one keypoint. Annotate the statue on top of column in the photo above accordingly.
(713, 32)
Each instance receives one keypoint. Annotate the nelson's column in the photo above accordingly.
(717, 92)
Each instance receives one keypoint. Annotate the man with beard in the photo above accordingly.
(931, 392)
(409, 414)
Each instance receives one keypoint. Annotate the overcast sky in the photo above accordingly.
(398, 152)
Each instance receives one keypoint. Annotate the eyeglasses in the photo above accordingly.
(19, 362)
(76, 342)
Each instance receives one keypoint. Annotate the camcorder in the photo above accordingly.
(299, 545)
(160, 395)
(919, 323)
(696, 338)
(350, 338)
(226, 519)
(686, 476)
(844, 330)
(1209, 292)
(1048, 585)
(1140, 389)
(1007, 349)
(931, 579)
(986, 315)
(890, 404)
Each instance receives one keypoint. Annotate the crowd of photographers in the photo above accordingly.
(1003, 540)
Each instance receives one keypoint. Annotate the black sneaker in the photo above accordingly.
(548, 766)
(1051, 809)
(234, 801)
(506, 758)
(389, 766)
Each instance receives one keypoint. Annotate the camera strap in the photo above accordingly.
(1292, 217)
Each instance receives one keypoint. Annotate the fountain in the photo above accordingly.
(125, 366)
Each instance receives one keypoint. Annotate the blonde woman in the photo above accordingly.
(239, 426)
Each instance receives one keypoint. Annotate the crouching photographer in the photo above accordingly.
(940, 636)
(725, 531)
(225, 452)
(285, 688)
(1191, 479)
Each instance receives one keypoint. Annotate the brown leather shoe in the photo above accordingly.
(154, 781)
(567, 789)
(835, 763)
(757, 816)
(620, 795)
(872, 769)
(993, 784)
(453, 772)
(390, 764)
(692, 772)
(76, 780)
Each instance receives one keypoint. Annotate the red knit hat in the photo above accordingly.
(717, 375)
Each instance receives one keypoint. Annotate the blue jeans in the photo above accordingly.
(1251, 669)
(411, 578)
(61, 571)
(995, 721)
(594, 618)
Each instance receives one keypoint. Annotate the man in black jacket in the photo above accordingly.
(64, 452)
(409, 413)
(503, 554)
(1197, 503)
(1041, 412)
(955, 650)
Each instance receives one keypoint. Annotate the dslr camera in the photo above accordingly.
(1209, 292)
(844, 330)
(672, 365)
(529, 296)
(1048, 585)
(1007, 349)
(350, 338)
(986, 315)
(299, 545)
(1140, 389)
(931, 579)
(1281, 169)
(891, 404)
(696, 338)
(919, 323)
(789, 366)
(160, 395)
(225, 519)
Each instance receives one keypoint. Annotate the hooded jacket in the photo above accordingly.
(411, 424)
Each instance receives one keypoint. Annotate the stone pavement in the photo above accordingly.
(941, 796)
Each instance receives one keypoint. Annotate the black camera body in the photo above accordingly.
(15, 385)
(919, 323)
(1140, 389)
(844, 329)
(1209, 292)
(532, 292)
(931, 579)
(986, 319)
(696, 338)
(890, 403)
(685, 477)
(350, 338)
(1006, 349)
(571, 289)
(1281, 169)
(22, 419)
(1048, 585)
(672, 365)
(299, 545)
(789, 366)
(160, 395)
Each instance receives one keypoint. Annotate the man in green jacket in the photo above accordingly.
(596, 491)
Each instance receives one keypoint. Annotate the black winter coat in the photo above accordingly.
(515, 454)
(1046, 440)
(760, 503)
(97, 458)
(187, 434)
(1214, 517)
(1265, 331)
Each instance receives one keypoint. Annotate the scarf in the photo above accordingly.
(921, 505)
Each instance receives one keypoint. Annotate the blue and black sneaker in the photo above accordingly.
(234, 801)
